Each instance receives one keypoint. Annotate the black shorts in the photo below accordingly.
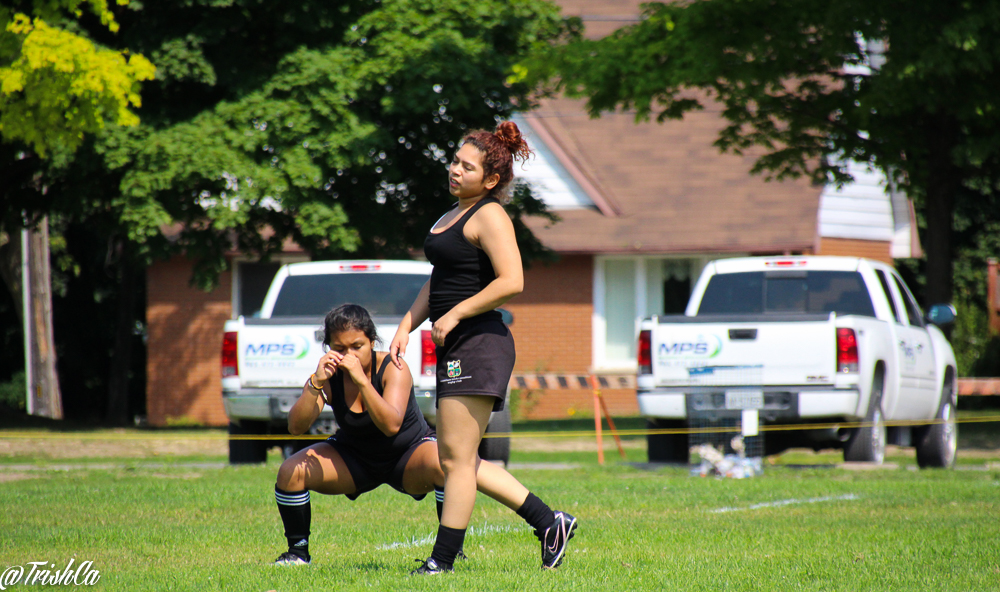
(368, 474)
(477, 359)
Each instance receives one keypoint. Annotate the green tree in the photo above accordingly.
(56, 85)
(328, 123)
(910, 87)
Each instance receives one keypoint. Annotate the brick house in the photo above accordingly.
(643, 208)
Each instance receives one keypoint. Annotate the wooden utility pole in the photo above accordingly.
(44, 396)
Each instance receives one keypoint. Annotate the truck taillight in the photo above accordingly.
(645, 357)
(229, 355)
(847, 350)
(428, 354)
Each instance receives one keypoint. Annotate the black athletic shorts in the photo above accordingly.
(477, 359)
(368, 474)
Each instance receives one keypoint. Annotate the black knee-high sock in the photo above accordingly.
(296, 514)
(536, 513)
(448, 544)
(439, 500)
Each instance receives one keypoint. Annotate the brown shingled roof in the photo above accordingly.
(662, 188)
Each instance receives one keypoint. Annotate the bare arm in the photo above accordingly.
(305, 411)
(491, 230)
(311, 402)
(418, 313)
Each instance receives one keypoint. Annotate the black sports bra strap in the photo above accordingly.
(381, 371)
(475, 208)
(459, 226)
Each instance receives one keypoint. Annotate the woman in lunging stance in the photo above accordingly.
(477, 267)
(383, 437)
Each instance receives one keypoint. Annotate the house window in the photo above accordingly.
(628, 289)
(620, 311)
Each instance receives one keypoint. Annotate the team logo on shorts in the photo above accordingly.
(454, 369)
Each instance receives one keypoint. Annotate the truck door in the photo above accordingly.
(919, 363)
(895, 359)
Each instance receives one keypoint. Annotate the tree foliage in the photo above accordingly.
(328, 123)
(909, 87)
(57, 85)
(325, 122)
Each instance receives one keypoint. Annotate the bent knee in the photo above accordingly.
(291, 475)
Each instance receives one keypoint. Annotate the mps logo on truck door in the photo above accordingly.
(276, 353)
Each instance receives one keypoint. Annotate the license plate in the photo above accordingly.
(745, 399)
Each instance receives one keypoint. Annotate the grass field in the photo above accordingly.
(171, 516)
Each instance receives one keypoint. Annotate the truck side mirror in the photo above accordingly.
(941, 315)
(506, 316)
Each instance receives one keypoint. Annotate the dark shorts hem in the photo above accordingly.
(369, 475)
(498, 404)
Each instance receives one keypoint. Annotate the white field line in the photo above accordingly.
(474, 531)
(789, 502)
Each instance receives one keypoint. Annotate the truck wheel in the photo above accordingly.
(867, 443)
(497, 449)
(937, 443)
(243, 452)
(667, 448)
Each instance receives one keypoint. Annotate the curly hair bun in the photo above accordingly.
(508, 133)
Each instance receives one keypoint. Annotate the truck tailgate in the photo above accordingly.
(284, 351)
(745, 350)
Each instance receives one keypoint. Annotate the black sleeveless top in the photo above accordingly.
(461, 270)
(358, 431)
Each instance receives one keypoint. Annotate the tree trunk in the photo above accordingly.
(46, 398)
(944, 181)
(121, 360)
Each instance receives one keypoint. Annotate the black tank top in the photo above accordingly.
(461, 270)
(358, 431)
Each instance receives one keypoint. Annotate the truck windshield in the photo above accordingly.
(755, 292)
(383, 294)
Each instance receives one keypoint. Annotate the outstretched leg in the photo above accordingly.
(553, 529)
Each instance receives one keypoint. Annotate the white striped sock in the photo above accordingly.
(291, 498)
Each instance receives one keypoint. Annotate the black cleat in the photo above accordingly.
(429, 567)
(289, 558)
(555, 538)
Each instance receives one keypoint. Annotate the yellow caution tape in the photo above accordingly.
(37, 435)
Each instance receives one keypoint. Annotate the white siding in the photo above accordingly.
(549, 180)
(902, 237)
(859, 210)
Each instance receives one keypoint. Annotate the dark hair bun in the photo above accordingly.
(508, 133)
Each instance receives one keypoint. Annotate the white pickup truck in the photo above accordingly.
(266, 359)
(835, 342)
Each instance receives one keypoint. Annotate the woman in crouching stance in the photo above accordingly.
(383, 437)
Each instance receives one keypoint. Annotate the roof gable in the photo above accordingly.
(664, 188)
